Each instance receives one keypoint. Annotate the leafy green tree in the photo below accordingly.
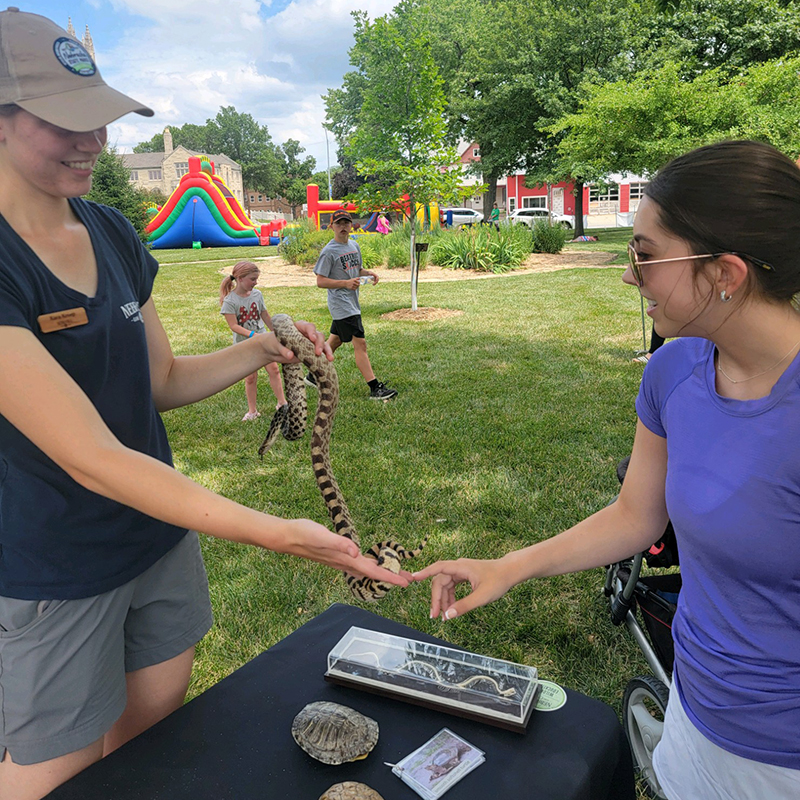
(347, 181)
(241, 138)
(733, 34)
(488, 102)
(399, 138)
(192, 137)
(638, 126)
(111, 186)
(321, 179)
(577, 43)
(295, 174)
(236, 135)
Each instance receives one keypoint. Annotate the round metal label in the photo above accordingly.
(73, 56)
(551, 697)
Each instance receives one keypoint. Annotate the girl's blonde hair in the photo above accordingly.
(241, 269)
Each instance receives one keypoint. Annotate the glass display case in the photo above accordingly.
(465, 684)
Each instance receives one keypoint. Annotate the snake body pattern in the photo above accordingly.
(290, 421)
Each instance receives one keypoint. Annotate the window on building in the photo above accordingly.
(606, 194)
(534, 202)
(181, 168)
(134, 175)
(252, 198)
(154, 174)
(476, 153)
(260, 199)
(637, 190)
(512, 205)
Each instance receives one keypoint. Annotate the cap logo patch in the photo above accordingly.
(74, 57)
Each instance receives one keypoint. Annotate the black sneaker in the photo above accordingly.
(310, 380)
(382, 392)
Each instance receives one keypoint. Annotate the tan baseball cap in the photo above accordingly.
(51, 75)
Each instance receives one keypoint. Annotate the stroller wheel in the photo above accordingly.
(643, 709)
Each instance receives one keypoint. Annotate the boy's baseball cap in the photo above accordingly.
(339, 215)
(52, 76)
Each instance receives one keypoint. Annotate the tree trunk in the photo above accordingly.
(491, 194)
(578, 209)
(412, 208)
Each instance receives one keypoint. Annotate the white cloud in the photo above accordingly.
(186, 59)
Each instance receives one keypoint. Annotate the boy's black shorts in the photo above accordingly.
(348, 328)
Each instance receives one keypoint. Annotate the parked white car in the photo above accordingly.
(462, 216)
(528, 216)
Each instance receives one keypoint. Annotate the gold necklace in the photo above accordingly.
(759, 374)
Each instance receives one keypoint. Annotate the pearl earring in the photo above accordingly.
(725, 297)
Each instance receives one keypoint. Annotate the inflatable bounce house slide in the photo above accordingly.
(321, 210)
(202, 212)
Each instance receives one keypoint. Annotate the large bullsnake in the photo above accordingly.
(290, 421)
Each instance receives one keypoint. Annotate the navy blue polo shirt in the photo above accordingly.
(57, 539)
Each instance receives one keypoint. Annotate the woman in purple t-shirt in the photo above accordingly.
(716, 254)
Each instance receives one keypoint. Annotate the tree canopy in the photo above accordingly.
(111, 186)
(236, 135)
(397, 134)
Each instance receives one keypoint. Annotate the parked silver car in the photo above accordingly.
(462, 216)
(528, 216)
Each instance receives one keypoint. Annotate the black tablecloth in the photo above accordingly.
(234, 741)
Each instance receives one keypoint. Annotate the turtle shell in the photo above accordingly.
(350, 790)
(334, 734)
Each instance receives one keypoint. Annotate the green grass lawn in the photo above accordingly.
(228, 254)
(509, 422)
(612, 240)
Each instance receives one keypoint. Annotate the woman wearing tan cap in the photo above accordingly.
(103, 594)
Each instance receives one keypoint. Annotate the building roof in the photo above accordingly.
(154, 160)
(142, 160)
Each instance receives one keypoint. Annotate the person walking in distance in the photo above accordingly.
(244, 310)
(339, 270)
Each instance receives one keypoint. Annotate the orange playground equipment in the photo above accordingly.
(320, 212)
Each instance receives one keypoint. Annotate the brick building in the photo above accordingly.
(257, 202)
(163, 171)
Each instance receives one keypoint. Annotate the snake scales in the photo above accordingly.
(290, 421)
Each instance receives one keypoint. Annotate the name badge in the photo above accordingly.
(61, 320)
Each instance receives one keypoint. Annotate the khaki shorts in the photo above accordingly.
(63, 662)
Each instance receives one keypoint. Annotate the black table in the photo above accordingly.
(234, 741)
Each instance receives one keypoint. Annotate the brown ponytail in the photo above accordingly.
(239, 271)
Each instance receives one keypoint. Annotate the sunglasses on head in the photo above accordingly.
(636, 265)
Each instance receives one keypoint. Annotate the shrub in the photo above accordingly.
(302, 242)
(482, 249)
(548, 238)
(371, 251)
(398, 254)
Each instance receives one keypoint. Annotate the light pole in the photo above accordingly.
(328, 152)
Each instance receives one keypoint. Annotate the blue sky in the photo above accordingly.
(186, 58)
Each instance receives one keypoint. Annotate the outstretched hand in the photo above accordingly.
(486, 578)
(314, 541)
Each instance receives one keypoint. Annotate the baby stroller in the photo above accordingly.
(646, 605)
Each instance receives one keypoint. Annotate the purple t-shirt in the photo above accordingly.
(733, 495)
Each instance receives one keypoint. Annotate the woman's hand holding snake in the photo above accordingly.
(275, 351)
(489, 581)
(308, 539)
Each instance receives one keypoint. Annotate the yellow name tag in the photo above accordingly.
(60, 320)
